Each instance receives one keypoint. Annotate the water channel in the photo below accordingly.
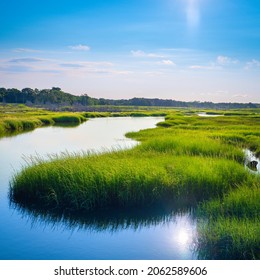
(30, 235)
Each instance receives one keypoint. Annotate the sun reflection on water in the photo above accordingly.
(185, 234)
(183, 237)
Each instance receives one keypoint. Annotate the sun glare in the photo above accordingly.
(193, 12)
(183, 237)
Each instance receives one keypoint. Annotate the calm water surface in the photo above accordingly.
(32, 235)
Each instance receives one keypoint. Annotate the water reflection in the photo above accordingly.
(106, 220)
(183, 236)
(66, 125)
(176, 229)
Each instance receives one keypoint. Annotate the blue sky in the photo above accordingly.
(206, 50)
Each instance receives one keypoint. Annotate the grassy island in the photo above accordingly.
(19, 118)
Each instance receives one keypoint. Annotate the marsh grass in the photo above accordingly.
(170, 165)
(68, 118)
(243, 202)
(186, 161)
(183, 144)
(233, 224)
(125, 179)
(21, 118)
(229, 238)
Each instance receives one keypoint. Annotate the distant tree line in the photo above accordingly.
(55, 96)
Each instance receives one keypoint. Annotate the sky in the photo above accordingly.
(189, 50)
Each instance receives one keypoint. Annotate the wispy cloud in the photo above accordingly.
(140, 53)
(80, 47)
(204, 67)
(240, 95)
(220, 63)
(225, 60)
(25, 50)
(71, 65)
(63, 67)
(252, 64)
(25, 60)
(167, 62)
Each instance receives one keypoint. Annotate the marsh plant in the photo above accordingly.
(186, 161)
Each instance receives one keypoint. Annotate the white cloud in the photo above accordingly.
(203, 67)
(218, 64)
(225, 60)
(80, 47)
(140, 53)
(167, 62)
(252, 64)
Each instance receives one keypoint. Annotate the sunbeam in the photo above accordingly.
(192, 12)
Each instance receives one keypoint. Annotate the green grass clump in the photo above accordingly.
(89, 182)
(253, 142)
(126, 179)
(96, 114)
(200, 145)
(243, 202)
(46, 120)
(229, 239)
(12, 124)
(69, 118)
(15, 119)
(232, 230)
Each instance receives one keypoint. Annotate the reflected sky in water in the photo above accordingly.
(251, 157)
(137, 234)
